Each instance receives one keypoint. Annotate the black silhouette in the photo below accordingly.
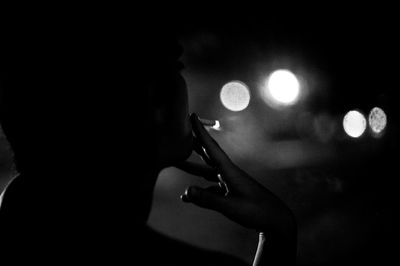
(93, 111)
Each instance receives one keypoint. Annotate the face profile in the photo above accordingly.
(170, 118)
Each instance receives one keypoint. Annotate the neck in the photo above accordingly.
(144, 198)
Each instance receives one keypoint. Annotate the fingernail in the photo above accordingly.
(184, 198)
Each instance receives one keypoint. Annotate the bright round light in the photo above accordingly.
(235, 96)
(283, 86)
(354, 124)
(377, 120)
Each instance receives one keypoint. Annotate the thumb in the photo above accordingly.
(209, 198)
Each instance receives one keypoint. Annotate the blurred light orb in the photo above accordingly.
(354, 124)
(283, 87)
(377, 120)
(235, 96)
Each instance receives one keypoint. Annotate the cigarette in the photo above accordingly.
(214, 124)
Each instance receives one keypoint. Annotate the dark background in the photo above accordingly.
(342, 190)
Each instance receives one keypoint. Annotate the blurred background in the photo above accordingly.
(307, 106)
(321, 132)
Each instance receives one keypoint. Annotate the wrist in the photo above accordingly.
(276, 248)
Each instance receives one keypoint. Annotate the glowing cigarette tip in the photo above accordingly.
(214, 124)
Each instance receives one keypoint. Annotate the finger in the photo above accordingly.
(218, 190)
(213, 150)
(197, 169)
(209, 198)
(201, 151)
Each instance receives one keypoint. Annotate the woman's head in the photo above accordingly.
(72, 96)
(69, 78)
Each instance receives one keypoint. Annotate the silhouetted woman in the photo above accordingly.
(93, 112)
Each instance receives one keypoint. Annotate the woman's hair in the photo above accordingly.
(64, 86)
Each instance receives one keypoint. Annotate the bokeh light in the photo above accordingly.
(354, 124)
(377, 120)
(235, 96)
(282, 87)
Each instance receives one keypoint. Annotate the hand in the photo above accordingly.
(247, 202)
